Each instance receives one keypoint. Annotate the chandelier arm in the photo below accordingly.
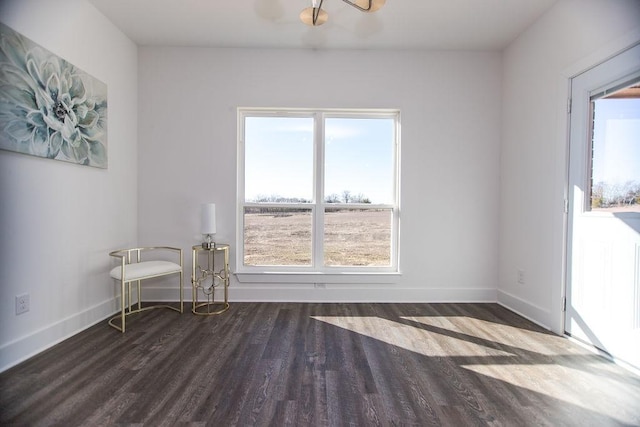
(316, 11)
(364, 9)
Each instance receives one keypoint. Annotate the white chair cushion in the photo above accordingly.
(145, 269)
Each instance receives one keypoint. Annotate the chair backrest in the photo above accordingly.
(135, 254)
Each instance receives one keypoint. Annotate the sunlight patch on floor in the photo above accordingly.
(498, 333)
(579, 391)
(428, 343)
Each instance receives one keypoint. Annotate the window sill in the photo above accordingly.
(612, 214)
(317, 277)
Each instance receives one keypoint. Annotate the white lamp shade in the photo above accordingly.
(208, 218)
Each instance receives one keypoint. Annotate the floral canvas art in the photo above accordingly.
(48, 107)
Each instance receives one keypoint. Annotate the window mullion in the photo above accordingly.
(318, 224)
(395, 230)
(240, 190)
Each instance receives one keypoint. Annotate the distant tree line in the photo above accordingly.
(274, 198)
(605, 195)
(345, 197)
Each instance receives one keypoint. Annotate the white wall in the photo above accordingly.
(572, 36)
(450, 107)
(59, 220)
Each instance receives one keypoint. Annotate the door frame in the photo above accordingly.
(619, 75)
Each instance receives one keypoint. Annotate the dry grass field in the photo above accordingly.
(351, 238)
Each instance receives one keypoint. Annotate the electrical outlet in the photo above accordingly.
(521, 277)
(22, 303)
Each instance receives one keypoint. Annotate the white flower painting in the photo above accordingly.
(48, 107)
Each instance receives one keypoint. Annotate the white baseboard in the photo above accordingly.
(360, 294)
(524, 308)
(28, 346)
(332, 293)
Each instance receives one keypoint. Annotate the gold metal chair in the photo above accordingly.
(133, 269)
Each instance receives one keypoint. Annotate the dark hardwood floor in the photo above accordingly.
(278, 364)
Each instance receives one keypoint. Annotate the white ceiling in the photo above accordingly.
(400, 24)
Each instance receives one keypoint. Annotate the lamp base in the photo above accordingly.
(208, 245)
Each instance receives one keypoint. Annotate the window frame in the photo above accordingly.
(602, 93)
(251, 273)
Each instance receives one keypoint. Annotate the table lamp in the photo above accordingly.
(208, 225)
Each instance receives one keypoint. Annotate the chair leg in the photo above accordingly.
(127, 304)
(122, 306)
(129, 296)
(181, 293)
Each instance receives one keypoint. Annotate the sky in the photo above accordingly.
(359, 157)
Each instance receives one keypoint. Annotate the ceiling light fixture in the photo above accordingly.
(315, 16)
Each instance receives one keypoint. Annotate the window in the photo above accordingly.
(615, 149)
(318, 191)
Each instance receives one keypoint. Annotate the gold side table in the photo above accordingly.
(206, 281)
